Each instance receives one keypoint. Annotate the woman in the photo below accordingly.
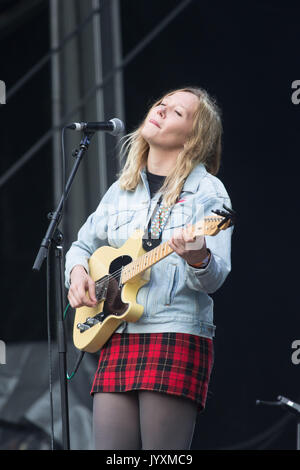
(153, 374)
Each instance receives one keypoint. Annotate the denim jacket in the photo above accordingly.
(176, 298)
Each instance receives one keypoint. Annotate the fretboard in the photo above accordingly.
(145, 261)
(209, 226)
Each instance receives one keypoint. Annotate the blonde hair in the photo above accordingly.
(202, 146)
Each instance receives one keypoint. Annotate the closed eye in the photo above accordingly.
(177, 112)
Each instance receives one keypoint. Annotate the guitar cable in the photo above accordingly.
(77, 364)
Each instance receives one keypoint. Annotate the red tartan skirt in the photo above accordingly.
(175, 363)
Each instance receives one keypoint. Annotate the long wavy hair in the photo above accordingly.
(202, 146)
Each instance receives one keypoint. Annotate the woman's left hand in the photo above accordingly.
(188, 246)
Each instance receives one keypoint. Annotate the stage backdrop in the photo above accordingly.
(246, 57)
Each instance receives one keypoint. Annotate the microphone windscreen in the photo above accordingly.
(118, 126)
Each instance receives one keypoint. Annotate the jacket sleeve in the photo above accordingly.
(211, 278)
(91, 236)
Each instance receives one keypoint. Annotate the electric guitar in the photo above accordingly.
(118, 274)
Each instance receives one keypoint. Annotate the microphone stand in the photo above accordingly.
(290, 406)
(54, 237)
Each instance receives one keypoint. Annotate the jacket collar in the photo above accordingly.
(192, 181)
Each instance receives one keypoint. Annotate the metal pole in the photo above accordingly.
(100, 137)
(57, 190)
(56, 100)
(117, 57)
(90, 94)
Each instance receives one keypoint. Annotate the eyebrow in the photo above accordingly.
(177, 104)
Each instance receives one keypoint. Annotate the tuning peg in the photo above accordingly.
(231, 211)
(229, 215)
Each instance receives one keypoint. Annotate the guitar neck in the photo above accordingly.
(208, 226)
(145, 261)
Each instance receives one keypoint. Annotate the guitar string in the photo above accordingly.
(119, 271)
(116, 273)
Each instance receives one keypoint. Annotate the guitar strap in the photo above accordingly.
(153, 233)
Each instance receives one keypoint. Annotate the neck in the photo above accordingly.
(161, 162)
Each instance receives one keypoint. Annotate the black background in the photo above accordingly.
(247, 57)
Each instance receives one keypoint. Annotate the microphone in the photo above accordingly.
(114, 126)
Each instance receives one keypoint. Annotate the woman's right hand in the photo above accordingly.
(81, 283)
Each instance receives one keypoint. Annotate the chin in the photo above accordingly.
(147, 134)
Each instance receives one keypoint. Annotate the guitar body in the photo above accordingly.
(116, 303)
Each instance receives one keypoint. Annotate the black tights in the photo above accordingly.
(143, 420)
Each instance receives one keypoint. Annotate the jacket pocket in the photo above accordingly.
(178, 218)
(172, 281)
(120, 227)
(121, 218)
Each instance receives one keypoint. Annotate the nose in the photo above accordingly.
(161, 110)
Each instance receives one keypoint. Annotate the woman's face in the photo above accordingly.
(169, 124)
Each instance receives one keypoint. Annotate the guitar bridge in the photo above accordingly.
(91, 321)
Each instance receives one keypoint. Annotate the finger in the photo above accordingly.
(177, 246)
(81, 297)
(88, 302)
(188, 234)
(72, 300)
(80, 290)
(190, 239)
(191, 231)
(177, 234)
(183, 239)
(92, 290)
(199, 242)
(174, 242)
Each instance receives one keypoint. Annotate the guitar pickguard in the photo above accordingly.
(109, 289)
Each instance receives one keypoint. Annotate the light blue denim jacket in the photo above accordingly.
(176, 298)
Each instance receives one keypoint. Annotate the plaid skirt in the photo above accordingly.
(175, 363)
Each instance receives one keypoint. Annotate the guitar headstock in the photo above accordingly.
(213, 224)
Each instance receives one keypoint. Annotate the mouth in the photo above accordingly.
(154, 122)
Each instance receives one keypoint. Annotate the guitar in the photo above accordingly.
(118, 274)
